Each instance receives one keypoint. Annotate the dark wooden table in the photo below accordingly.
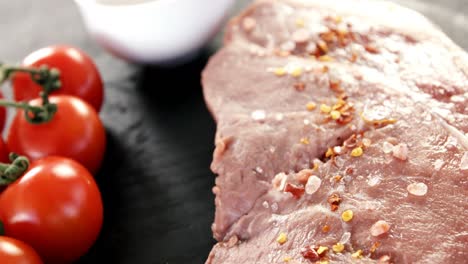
(155, 181)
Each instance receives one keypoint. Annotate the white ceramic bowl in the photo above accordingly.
(153, 31)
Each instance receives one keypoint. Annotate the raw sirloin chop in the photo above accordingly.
(342, 136)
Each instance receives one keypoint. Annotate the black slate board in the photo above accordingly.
(155, 181)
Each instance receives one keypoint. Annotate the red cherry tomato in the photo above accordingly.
(55, 207)
(13, 251)
(2, 115)
(75, 132)
(3, 152)
(78, 74)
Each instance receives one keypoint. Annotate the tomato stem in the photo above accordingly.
(10, 172)
(48, 79)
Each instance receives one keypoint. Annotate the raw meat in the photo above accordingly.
(366, 99)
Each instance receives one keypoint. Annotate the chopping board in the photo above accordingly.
(155, 179)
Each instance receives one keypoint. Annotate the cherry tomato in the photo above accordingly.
(78, 74)
(13, 251)
(3, 152)
(2, 115)
(55, 207)
(75, 132)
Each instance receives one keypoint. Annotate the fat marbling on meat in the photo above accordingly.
(341, 136)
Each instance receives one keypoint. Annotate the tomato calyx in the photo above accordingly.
(48, 79)
(10, 172)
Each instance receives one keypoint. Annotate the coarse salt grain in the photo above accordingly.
(380, 227)
(279, 181)
(265, 205)
(274, 207)
(345, 238)
(279, 117)
(301, 36)
(288, 46)
(366, 142)
(258, 115)
(249, 24)
(438, 164)
(417, 189)
(387, 147)
(313, 184)
(259, 170)
(400, 151)
(306, 122)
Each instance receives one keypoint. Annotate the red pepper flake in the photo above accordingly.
(375, 246)
(323, 47)
(336, 86)
(296, 191)
(326, 228)
(349, 171)
(310, 253)
(300, 86)
(334, 200)
(371, 48)
(337, 178)
(354, 57)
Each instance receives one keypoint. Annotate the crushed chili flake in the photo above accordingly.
(357, 254)
(325, 108)
(322, 262)
(354, 57)
(334, 200)
(321, 250)
(282, 238)
(287, 259)
(300, 86)
(325, 58)
(329, 153)
(335, 114)
(296, 191)
(310, 253)
(296, 72)
(338, 19)
(311, 106)
(371, 48)
(335, 85)
(380, 227)
(374, 247)
(338, 247)
(305, 141)
(326, 228)
(357, 152)
(325, 69)
(349, 171)
(300, 22)
(347, 215)
(279, 71)
(337, 178)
